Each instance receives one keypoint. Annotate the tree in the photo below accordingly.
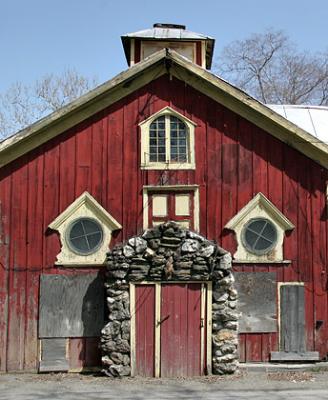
(269, 67)
(22, 105)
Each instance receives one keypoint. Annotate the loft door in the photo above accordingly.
(169, 330)
(171, 206)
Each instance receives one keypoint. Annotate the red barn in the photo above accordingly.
(164, 140)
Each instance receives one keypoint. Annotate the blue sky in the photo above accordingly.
(47, 36)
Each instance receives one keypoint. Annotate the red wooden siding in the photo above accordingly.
(234, 161)
(84, 353)
(145, 330)
(180, 330)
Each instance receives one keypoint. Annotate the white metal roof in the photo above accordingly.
(313, 119)
(167, 33)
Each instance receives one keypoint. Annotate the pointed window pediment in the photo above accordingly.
(85, 229)
(260, 229)
(167, 141)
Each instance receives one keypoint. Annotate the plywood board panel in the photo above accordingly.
(71, 306)
(257, 301)
(53, 355)
(292, 335)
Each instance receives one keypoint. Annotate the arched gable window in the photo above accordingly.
(167, 141)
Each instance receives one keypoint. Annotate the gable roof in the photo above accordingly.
(163, 62)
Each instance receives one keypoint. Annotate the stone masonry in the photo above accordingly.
(169, 253)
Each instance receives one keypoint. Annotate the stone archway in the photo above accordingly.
(162, 254)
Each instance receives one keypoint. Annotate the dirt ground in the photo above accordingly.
(309, 384)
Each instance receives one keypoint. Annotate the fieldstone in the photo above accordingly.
(128, 251)
(228, 348)
(125, 326)
(109, 346)
(217, 325)
(183, 264)
(232, 304)
(233, 325)
(119, 315)
(170, 232)
(138, 261)
(170, 240)
(158, 260)
(222, 299)
(225, 368)
(126, 360)
(225, 261)
(232, 294)
(134, 277)
(225, 358)
(118, 370)
(117, 274)
(227, 280)
(207, 251)
(224, 335)
(117, 358)
(154, 244)
(138, 243)
(198, 277)
(154, 233)
(122, 346)
(217, 274)
(116, 306)
(149, 253)
(199, 267)
(140, 269)
(229, 315)
(111, 329)
(194, 235)
(113, 292)
(190, 246)
(106, 361)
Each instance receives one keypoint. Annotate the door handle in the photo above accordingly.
(162, 320)
(202, 322)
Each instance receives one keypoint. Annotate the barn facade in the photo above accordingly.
(165, 140)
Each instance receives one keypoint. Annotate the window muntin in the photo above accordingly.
(157, 150)
(168, 140)
(84, 236)
(259, 236)
(178, 140)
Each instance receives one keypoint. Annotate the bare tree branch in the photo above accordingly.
(270, 67)
(22, 105)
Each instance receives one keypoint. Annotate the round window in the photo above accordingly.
(259, 236)
(84, 236)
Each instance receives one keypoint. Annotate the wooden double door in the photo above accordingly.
(169, 330)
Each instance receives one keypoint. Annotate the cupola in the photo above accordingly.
(196, 47)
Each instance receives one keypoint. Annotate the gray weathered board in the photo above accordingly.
(294, 356)
(53, 355)
(257, 299)
(71, 306)
(292, 323)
